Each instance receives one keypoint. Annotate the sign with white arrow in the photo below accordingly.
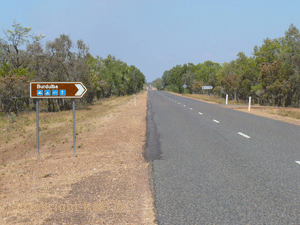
(184, 86)
(57, 90)
(207, 87)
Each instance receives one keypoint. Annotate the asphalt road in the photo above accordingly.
(221, 166)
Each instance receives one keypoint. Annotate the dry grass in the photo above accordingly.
(292, 113)
(287, 115)
(108, 180)
(54, 128)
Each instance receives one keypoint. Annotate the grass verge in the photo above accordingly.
(107, 183)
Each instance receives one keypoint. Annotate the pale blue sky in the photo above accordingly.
(157, 35)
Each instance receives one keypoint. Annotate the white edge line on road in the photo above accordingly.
(191, 108)
(297, 162)
(216, 121)
(244, 135)
(200, 113)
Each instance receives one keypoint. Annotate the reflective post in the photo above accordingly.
(134, 100)
(249, 104)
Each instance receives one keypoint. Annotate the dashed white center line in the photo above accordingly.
(200, 113)
(244, 135)
(297, 162)
(178, 103)
(216, 121)
(191, 108)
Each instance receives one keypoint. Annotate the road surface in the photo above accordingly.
(221, 166)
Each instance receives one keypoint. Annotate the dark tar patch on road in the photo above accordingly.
(152, 150)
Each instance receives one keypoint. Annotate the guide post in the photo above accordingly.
(249, 107)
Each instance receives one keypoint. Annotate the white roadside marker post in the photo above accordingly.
(134, 101)
(226, 99)
(249, 107)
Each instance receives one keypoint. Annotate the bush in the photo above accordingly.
(172, 88)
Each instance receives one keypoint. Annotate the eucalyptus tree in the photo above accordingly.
(14, 73)
(290, 59)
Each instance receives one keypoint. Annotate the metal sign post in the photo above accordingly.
(37, 128)
(74, 129)
(56, 90)
(206, 88)
(184, 86)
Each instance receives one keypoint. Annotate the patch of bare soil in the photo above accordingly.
(107, 183)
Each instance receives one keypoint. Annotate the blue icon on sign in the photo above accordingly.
(62, 92)
(47, 92)
(54, 92)
(39, 92)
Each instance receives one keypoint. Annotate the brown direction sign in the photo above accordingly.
(57, 90)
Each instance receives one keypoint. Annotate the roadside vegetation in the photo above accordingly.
(18, 134)
(271, 76)
(214, 98)
(23, 59)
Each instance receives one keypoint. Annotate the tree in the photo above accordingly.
(188, 78)
(14, 39)
(14, 68)
(290, 59)
(276, 87)
(13, 93)
(158, 83)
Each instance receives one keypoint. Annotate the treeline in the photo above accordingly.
(24, 59)
(271, 76)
